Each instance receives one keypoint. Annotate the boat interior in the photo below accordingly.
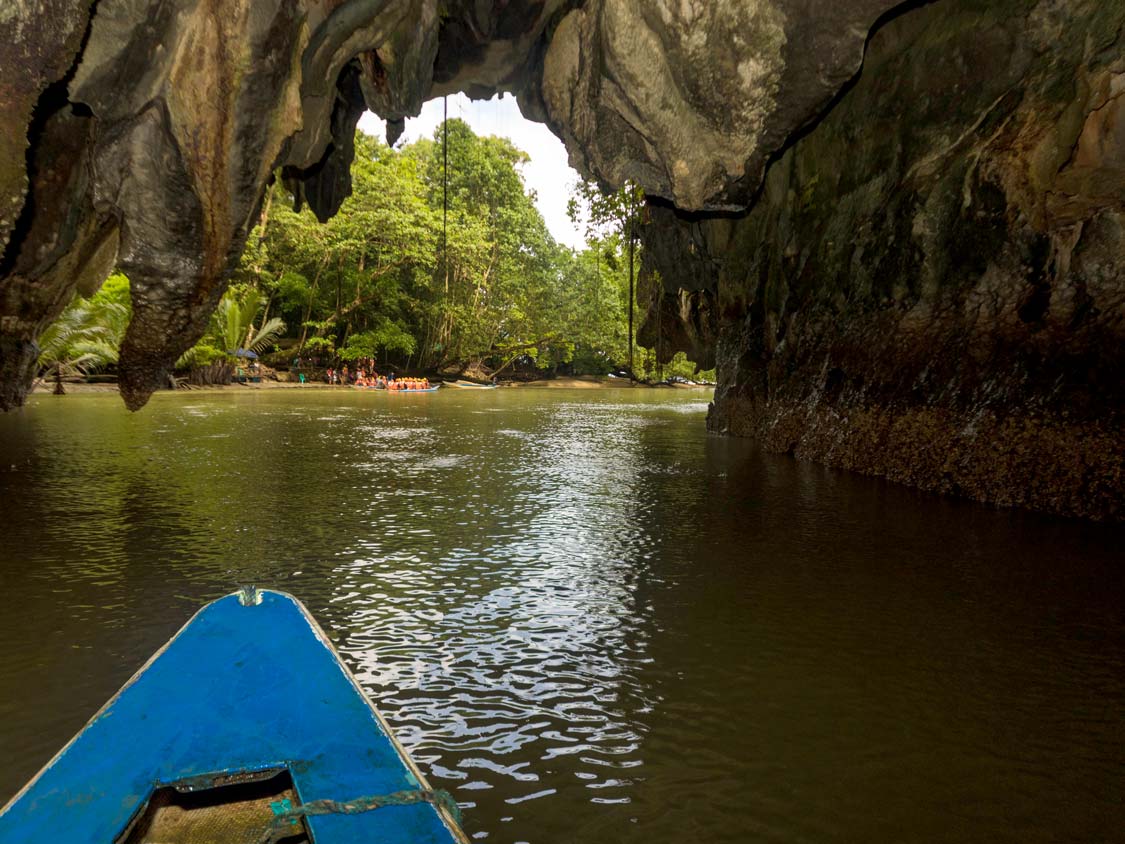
(219, 809)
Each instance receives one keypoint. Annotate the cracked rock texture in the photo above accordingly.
(911, 270)
(689, 98)
(930, 288)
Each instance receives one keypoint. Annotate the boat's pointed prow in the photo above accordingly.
(246, 723)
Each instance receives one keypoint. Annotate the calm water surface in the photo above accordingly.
(586, 618)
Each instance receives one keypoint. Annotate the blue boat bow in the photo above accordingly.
(250, 688)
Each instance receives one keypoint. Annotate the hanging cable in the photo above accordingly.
(445, 193)
(444, 175)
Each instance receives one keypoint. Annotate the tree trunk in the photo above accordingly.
(266, 310)
(263, 221)
(308, 310)
(631, 299)
(59, 391)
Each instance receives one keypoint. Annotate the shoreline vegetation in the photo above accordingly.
(580, 382)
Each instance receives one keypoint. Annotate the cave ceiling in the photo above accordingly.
(141, 134)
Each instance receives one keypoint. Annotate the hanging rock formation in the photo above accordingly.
(910, 270)
(143, 133)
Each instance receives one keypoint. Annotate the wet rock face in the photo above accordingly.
(142, 134)
(679, 273)
(930, 288)
(41, 39)
(912, 272)
(201, 97)
(688, 99)
(37, 228)
(156, 140)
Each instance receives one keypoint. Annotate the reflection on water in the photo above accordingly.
(586, 618)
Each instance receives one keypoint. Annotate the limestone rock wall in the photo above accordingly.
(688, 99)
(931, 286)
(39, 43)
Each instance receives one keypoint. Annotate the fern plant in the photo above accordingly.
(87, 334)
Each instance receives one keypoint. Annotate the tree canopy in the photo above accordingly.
(436, 261)
(399, 276)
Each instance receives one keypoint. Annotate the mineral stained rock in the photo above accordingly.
(896, 227)
(689, 99)
(930, 288)
(39, 42)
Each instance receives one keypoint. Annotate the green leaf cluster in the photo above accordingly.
(439, 259)
(233, 327)
(88, 333)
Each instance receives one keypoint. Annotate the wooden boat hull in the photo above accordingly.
(248, 689)
(469, 385)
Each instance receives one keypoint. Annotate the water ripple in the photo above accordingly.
(586, 619)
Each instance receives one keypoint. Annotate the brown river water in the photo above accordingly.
(586, 618)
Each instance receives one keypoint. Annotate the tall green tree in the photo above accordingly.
(357, 273)
(439, 258)
(619, 211)
(498, 261)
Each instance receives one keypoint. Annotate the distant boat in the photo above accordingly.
(245, 727)
(470, 385)
(432, 389)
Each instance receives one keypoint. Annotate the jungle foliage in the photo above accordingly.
(430, 268)
(426, 266)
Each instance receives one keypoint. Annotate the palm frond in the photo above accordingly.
(267, 335)
(83, 338)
